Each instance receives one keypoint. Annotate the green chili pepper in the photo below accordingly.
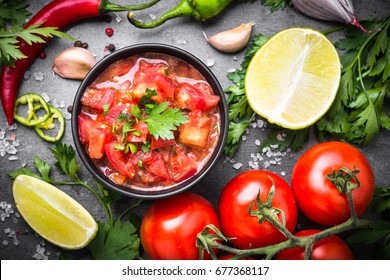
(35, 103)
(198, 9)
(50, 124)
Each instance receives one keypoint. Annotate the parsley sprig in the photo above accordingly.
(358, 112)
(12, 19)
(115, 239)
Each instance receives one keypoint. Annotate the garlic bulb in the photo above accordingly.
(74, 63)
(333, 10)
(232, 40)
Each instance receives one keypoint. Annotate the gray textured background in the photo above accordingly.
(184, 33)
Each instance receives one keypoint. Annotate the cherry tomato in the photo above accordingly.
(331, 248)
(317, 197)
(170, 226)
(235, 200)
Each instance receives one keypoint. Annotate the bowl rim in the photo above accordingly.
(128, 52)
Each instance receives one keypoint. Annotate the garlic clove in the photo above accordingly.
(232, 40)
(74, 63)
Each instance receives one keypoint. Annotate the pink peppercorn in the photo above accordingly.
(109, 31)
(42, 55)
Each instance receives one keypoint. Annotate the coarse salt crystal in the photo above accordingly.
(210, 62)
(237, 165)
(13, 158)
(257, 142)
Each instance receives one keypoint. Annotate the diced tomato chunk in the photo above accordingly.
(117, 159)
(97, 140)
(160, 143)
(85, 124)
(116, 111)
(156, 165)
(195, 97)
(98, 98)
(210, 100)
(182, 166)
(140, 134)
(196, 131)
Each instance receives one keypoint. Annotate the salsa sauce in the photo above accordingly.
(115, 127)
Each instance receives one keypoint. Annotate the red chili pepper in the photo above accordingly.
(57, 13)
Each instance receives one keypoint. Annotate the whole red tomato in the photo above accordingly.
(170, 226)
(235, 200)
(317, 197)
(331, 248)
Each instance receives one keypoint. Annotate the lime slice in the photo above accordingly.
(53, 214)
(293, 79)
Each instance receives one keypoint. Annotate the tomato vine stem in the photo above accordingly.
(343, 179)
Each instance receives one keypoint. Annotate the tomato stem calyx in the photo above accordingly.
(344, 180)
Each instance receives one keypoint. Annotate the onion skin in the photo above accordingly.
(332, 10)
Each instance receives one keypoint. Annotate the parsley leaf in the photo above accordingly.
(66, 160)
(9, 39)
(13, 15)
(13, 12)
(117, 241)
(358, 114)
(240, 113)
(162, 120)
(275, 4)
(377, 232)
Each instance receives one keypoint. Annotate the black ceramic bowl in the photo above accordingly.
(137, 50)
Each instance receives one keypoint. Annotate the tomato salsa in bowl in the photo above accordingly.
(149, 120)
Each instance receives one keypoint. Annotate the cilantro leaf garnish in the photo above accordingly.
(162, 120)
(117, 241)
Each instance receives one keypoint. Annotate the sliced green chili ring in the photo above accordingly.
(50, 124)
(35, 102)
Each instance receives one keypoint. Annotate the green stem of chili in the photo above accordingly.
(106, 7)
(198, 9)
(182, 9)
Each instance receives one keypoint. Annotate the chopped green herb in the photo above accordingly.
(136, 112)
(130, 147)
(123, 117)
(106, 109)
(119, 147)
(147, 97)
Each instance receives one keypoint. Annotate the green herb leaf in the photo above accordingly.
(240, 113)
(9, 39)
(357, 114)
(21, 171)
(106, 109)
(136, 112)
(13, 13)
(147, 98)
(43, 168)
(163, 120)
(118, 241)
(66, 160)
(377, 233)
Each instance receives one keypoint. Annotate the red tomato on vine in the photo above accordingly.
(170, 226)
(236, 198)
(331, 248)
(317, 196)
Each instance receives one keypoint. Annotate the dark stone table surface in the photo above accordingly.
(184, 33)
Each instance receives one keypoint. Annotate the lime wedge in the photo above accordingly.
(53, 214)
